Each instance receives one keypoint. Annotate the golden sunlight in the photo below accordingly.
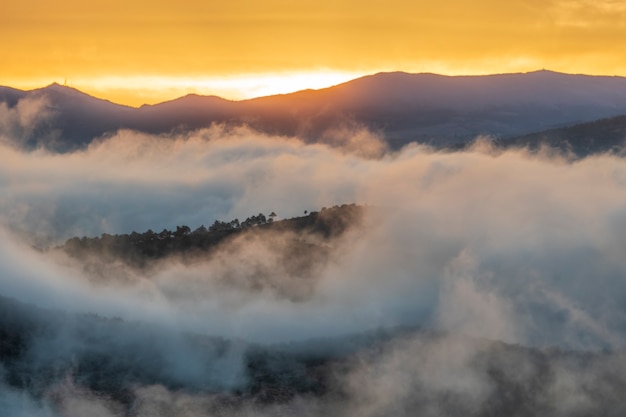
(146, 51)
(151, 89)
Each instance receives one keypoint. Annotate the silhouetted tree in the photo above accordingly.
(182, 231)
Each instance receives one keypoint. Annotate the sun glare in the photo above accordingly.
(150, 89)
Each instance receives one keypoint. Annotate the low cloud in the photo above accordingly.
(465, 241)
(29, 117)
(481, 245)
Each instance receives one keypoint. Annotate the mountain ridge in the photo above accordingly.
(607, 135)
(428, 108)
(59, 87)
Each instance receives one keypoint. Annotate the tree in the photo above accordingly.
(200, 230)
(182, 231)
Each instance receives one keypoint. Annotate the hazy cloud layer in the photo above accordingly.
(499, 245)
(134, 181)
(28, 117)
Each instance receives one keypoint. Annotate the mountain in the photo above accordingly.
(436, 109)
(306, 243)
(68, 118)
(600, 136)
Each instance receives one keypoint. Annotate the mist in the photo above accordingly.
(519, 247)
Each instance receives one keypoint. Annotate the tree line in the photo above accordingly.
(138, 248)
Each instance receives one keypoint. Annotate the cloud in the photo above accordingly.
(457, 240)
(19, 124)
(481, 245)
(588, 14)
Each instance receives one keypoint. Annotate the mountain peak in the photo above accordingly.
(546, 72)
(55, 85)
(65, 89)
(192, 99)
(65, 92)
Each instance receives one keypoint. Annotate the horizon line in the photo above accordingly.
(83, 90)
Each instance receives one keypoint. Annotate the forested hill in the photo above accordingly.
(138, 249)
(51, 360)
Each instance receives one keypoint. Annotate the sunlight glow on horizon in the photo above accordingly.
(136, 90)
(146, 52)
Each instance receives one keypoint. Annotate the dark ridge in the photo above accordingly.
(301, 247)
(11, 96)
(601, 136)
(137, 249)
(426, 108)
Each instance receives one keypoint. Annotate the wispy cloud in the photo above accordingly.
(484, 245)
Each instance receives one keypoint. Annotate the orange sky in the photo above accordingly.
(148, 51)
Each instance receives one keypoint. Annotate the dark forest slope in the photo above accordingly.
(606, 135)
(50, 355)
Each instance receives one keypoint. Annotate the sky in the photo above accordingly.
(148, 51)
(502, 245)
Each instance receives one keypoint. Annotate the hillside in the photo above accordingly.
(300, 246)
(53, 359)
(137, 249)
(427, 108)
(605, 135)
(50, 358)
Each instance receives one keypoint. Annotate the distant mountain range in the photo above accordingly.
(427, 108)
